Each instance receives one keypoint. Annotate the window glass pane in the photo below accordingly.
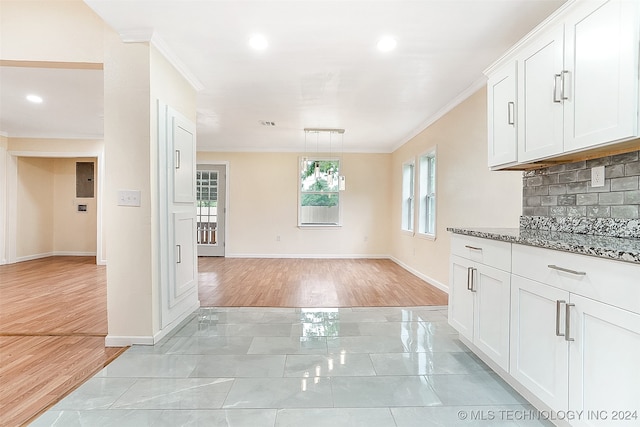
(320, 175)
(427, 208)
(319, 196)
(407, 196)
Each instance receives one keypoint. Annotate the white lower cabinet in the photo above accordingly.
(539, 352)
(479, 302)
(564, 327)
(570, 346)
(604, 368)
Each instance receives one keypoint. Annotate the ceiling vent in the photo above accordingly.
(268, 124)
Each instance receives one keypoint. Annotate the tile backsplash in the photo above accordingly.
(565, 190)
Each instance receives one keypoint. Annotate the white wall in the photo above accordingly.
(263, 202)
(468, 194)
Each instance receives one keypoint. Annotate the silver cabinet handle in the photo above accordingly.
(555, 88)
(558, 304)
(474, 275)
(469, 278)
(475, 248)
(177, 159)
(566, 270)
(510, 113)
(567, 323)
(179, 254)
(563, 92)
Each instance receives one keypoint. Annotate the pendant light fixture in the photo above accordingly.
(334, 176)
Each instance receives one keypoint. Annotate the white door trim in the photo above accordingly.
(227, 206)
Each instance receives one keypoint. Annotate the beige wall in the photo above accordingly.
(34, 207)
(263, 197)
(50, 30)
(47, 221)
(57, 146)
(468, 194)
(127, 160)
(4, 143)
(74, 232)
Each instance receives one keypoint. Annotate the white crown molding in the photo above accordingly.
(473, 88)
(552, 19)
(151, 37)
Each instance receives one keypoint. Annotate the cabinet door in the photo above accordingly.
(460, 296)
(539, 359)
(604, 368)
(183, 136)
(540, 113)
(186, 280)
(491, 313)
(501, 110)
(601, 79)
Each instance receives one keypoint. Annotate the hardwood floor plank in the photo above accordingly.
(234, 282)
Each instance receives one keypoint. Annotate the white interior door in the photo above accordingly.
(211, 209)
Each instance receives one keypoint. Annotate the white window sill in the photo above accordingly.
(318, 226)
(407, 233)
(425, 236)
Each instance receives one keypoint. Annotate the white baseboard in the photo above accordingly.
(127, 340)
(424, 277)
(73, 253)
(54, 253)
(32, 257)
(176, 323)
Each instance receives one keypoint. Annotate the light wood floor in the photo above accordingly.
(53, 320)
(311, 283)
(53, 316)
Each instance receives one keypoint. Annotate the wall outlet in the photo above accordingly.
(597, 176)
(277, 238)
(129, 198)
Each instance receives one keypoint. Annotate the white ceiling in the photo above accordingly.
(321, 68)
(72, 104)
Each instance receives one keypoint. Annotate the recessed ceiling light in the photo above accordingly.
(35, 99)
(386, 44)
(258, 42)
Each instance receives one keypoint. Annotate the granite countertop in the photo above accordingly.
(616, 248)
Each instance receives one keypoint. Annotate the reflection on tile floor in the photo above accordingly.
(280, 367)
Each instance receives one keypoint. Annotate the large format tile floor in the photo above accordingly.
(298, 367)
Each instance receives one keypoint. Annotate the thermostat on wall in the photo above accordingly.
(82, 208)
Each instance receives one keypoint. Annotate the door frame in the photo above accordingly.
(12, 198)
(224, 163)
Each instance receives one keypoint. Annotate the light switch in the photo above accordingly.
(129, 198)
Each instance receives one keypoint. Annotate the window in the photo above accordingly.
(427, 206)
(319, 192)
(207, 206)
(407, 195)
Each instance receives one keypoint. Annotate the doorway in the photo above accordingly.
(211, 209)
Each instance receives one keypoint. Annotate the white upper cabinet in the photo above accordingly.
(601, 73)
(183, 136)
(540, 97)
(577, 82)
(501, 104)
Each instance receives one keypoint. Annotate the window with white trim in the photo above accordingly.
(319, 195)
(407, 195)
(427, 203)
